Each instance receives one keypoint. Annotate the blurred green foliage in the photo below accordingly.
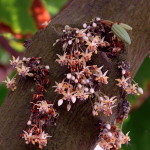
(54, 6)
(16, 14)
(3, 92)
(139, 127)
(4, 56)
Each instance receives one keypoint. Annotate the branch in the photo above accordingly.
(78, 129)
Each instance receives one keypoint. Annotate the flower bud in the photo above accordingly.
(69, 76)
(140, 90)
(73, 99)
(84, 25)
(60, 102)
(92, 90)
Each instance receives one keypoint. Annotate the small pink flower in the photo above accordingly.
(24, 71)
(11, 83)
(15, 62)
(123, 82)
(43, 107)
(62, 59)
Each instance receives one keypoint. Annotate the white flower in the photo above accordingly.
(62, 59)
(44, 135)
(24, 71)
(101, 77)
(105, 105)
(123, 82)
(131, 89)
(29, 137)
(43, 106)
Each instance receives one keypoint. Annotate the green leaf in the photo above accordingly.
(121, 33)
(16, 14)
(4, 56)
(125, 26)
(3, 92)
(139, 127)
(54, 6)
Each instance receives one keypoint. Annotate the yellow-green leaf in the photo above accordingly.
(121, 33)
(125, 26)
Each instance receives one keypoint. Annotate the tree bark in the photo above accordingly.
(77, 129)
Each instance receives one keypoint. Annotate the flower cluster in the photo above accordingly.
(35, 135)
(80, 85)
(82, 80)
(123, 110)
(125, 82)
(112, 138)
(85, 79)
(105, 105)
(79, 45)
(42, 112)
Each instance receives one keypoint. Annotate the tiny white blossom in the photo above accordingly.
(84, 25)
(94, 24)
(73, 99)
(43, 106)
(68, 107)
(70, 42)
(69, 76)
(92, 90)
(140, 90)
(60, 102)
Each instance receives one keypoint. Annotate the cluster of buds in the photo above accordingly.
(22, 69)
(126, 82)
(79, 45)
(123, 110)
(80, 85)
(105, 105)
(112, 138)
(42, 112)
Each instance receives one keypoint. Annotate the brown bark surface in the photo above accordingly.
(76, 130)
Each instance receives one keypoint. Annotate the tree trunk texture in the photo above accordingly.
(77, 129)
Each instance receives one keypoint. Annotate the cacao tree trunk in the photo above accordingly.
(78, 129)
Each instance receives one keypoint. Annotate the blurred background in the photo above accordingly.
(20, 19)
